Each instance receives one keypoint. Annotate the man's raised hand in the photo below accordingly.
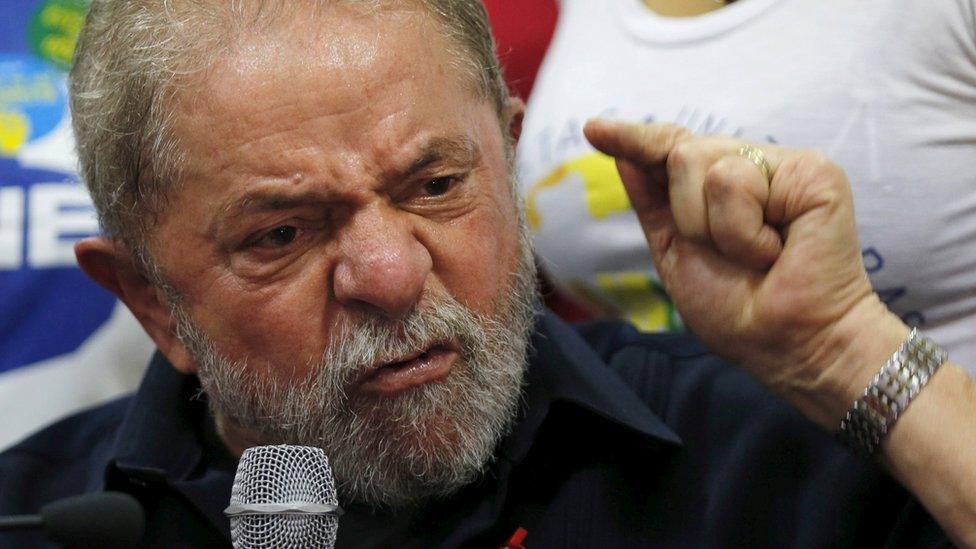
(768, 272)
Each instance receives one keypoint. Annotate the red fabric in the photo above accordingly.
(522, 30)
(515, 542)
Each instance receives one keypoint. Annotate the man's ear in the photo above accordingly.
(111, 265)
(516, 112)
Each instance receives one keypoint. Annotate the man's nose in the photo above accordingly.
(382, 265)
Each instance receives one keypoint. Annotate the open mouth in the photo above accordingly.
(390, 378)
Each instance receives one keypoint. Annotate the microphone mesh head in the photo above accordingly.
(278, 475)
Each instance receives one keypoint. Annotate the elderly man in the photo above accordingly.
(309, 206)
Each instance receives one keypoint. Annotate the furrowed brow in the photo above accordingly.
(258, 202)
(263, 201)
(454, 150)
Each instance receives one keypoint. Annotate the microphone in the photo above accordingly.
(283, 496)
(95, 519)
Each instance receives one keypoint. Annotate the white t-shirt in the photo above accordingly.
(886, 89)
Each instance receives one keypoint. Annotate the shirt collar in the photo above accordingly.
(161, 428)
(162, 440)
(565, 369)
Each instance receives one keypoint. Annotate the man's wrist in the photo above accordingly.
(847, 359)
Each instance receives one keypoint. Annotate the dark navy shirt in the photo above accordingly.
(623, 440)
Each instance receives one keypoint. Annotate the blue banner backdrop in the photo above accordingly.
(49, 311)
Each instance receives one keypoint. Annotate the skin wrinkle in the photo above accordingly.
(137, 56)
(460, 152)
(453, 147)
(400, 134)
(345, 199)
(415, 459)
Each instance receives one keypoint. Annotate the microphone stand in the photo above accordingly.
(21, 522)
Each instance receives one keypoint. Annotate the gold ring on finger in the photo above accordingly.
(757, 157)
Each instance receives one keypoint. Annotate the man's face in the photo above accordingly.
(343, 186)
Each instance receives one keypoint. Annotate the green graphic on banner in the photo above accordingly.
(54, 30)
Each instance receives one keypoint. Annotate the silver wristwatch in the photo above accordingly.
(891, 391)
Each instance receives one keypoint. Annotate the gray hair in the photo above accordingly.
(132, 57)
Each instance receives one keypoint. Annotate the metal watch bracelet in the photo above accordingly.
(891, 391)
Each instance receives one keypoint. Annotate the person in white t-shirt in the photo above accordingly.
(887, 89)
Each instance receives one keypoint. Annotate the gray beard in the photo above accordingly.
(424, 443)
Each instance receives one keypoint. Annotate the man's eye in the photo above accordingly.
(278, 237)
(439, 186)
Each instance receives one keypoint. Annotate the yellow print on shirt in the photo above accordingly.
(640, 299)
(635, 295)
(603, 191)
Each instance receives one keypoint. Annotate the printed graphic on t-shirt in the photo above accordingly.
(590, 180)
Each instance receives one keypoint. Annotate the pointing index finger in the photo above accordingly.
(643, 144)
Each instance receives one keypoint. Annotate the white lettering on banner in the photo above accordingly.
(11, 227)
(60, 213)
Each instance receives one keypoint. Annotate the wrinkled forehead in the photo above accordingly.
(335, 63)
(259, 45)
(273, 40)
(217, 29)
(313, 38)
(386, 77)
(344, 103)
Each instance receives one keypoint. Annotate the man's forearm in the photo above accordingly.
(932, 451)
(757, 246)
(931, 448)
